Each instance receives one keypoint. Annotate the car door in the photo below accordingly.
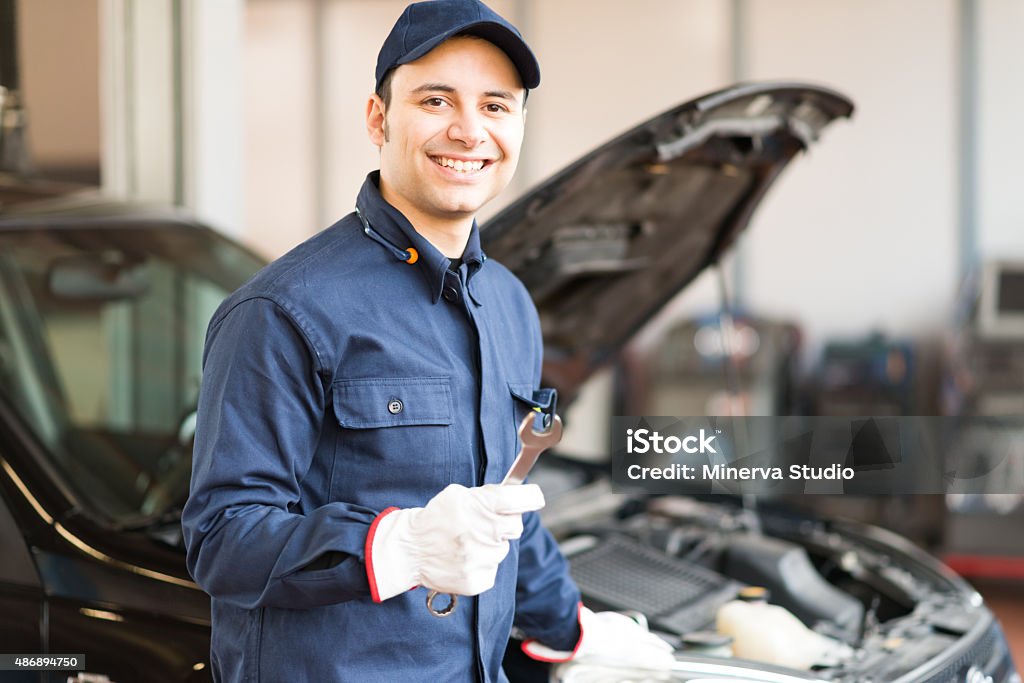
(20, 593)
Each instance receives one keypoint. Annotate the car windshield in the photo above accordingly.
(101, 335)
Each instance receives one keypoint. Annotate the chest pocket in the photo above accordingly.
(394, 436)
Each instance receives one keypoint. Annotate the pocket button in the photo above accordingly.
(395, 406)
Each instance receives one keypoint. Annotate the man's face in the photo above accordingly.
(451, 134)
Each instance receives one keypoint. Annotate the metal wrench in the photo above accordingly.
(533, 444)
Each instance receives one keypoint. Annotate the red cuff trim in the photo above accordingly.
(550, 660)
(368, 551)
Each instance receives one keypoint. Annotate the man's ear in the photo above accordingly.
(375, 123)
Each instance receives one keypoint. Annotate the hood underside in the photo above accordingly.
(604, 244)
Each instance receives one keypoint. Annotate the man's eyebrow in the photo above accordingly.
(434, 87)
(503, 94)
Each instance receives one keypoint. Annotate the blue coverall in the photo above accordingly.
(337, 382)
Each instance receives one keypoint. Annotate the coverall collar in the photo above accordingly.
(393, 226)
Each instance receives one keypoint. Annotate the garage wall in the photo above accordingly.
(608, 65)
(862, 233)
(1000, 226)
(58, 81)
(279, 137)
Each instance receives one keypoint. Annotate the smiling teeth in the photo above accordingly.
(458, 165)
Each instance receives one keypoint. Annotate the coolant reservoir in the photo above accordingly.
(771, 634)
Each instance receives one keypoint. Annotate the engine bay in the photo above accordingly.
(872, 605)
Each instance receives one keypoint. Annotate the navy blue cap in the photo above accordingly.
(425, 25)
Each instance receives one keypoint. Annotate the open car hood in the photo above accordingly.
(604, 244)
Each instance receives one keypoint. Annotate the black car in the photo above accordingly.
(103, 310)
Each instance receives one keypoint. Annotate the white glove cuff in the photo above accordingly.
(390, 569)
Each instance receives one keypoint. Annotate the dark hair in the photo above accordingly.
(384, 89)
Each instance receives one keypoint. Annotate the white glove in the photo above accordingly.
(610, 638)
(453, 545)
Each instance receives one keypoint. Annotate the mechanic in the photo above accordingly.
(360, 399)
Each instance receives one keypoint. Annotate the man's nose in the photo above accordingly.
(468, 128)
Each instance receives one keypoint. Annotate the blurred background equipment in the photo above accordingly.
(984, 378)
(869, 376)
(984, 357)
(688, 373)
